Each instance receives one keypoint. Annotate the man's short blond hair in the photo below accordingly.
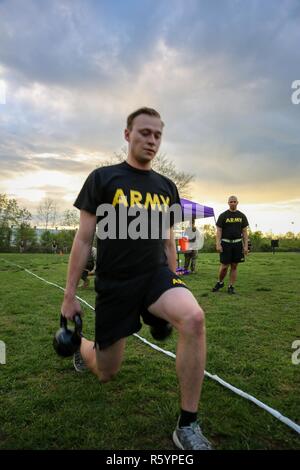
(144, 110)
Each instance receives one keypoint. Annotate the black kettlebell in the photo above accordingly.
(66, 342)
(162, 331)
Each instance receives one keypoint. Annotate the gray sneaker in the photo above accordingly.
(78, 362)
(190, 438)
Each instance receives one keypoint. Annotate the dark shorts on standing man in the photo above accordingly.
(121, 302)
(232, 252)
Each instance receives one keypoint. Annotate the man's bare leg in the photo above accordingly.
(179, 307)
(222, 272)
(233, 273)
(104, 363)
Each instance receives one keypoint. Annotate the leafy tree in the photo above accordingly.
(209, 238)
(11, 215)
(46, 240)
(65, 239)
(28, 234)
(289, 236)
(47, 212)
(163, 165)
(256, 239)
(70, 218)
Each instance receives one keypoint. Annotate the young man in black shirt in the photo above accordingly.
(231, 243)
(135, 276)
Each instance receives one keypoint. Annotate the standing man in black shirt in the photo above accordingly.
(136, 276)
(231, 243)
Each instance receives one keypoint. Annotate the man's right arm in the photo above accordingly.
(77, 262)
(218, 240)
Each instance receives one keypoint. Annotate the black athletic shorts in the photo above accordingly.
(121, 302)
(232, 253)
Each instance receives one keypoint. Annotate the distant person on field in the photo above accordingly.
(191, 255)
(54, 247)
(231, 243)
(90, 267)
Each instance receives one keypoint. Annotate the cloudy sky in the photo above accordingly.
(219, 72)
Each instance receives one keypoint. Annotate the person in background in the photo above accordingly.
(90, 267)
(231, 243)
(191, 255)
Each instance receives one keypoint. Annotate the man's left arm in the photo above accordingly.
(170, 250)
(245, 240)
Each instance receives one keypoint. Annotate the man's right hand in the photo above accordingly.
(219, 248)
(70, 307)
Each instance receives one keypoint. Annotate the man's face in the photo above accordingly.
(144, 138)
(232, 202)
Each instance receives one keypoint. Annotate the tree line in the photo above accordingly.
(16, 227)
(259, 241)
(17, 232)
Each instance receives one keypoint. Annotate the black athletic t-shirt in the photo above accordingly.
(123, 185)
(232, 224)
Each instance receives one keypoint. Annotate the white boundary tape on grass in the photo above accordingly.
(239, 392)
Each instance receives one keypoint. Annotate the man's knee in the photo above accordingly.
(224, 267)
(109, 361)
(105, 377)
(194, 322)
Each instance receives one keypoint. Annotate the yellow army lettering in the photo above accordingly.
(233, 220)
(178, 281)
(136, 199)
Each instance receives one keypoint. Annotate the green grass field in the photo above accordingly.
(45, 404)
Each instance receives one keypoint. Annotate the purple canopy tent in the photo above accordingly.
(197, 211)
(193, 210)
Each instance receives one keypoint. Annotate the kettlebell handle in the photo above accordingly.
(77, 320)
(78, 323)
